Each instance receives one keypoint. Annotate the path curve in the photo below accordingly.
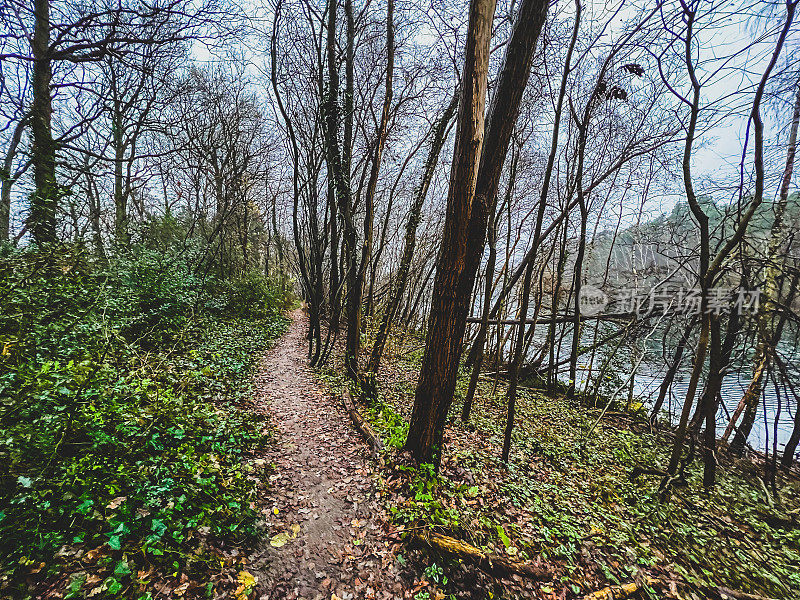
(322, 507)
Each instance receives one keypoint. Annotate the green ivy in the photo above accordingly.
(122, 436)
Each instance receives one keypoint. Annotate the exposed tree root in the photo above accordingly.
(361, 424)
(490, 562)
(618, 592)
(728, 594)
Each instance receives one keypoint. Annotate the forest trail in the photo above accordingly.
(328, 534)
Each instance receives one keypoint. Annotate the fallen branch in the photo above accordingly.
(618, 592)
(638, 471)
(728, 594)
(778, 521)
(363, 427)
(490, 561)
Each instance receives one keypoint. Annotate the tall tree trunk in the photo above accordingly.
(337, 161)
(671, 371)
(355, 294)
(576, 290)
(519, 342)
(120, 197)
(474, 178)
(702, 222)
(718, 360)
(710, 268)
(791, 445)
(333, 292)
(94, 213)
(480, 340)
(118, 144)
(452, 285)
(476, 352)
(342, 167)
(42, 218)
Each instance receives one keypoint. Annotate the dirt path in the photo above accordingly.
(328, 532)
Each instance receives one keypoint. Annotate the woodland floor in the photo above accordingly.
(328, 534)
(566, 501)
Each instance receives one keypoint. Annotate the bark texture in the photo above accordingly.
(473, 185)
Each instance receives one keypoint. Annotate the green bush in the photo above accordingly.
(120, 438)
(253, 295)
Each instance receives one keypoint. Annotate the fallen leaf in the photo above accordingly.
(116, 502)
(181, 589)
(246, 585)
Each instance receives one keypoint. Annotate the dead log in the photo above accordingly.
(494, 563)
(618, 592)
(363, 427)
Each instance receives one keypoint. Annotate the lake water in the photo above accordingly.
(650, 376)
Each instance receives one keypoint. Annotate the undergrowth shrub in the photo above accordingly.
(253, 295)
(121, 433)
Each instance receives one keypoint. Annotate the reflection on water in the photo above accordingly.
(734, 385)
(765, 430)
(650, 376)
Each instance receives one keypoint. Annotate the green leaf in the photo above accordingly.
(113, 586)
(501, 533)
(115, 542)
(158, 527)
(122, 568)
(85, 506)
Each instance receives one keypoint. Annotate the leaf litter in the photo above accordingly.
(328, 534)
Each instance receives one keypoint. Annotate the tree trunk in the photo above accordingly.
(671, 372)
(341, 171)
(355, 294)
(702, 222)
(452, 285)
(749, 402)
(118, 144)
(94, 213)
(42, 218)
(708, 402)
(473, 184)
(7, 179)
(718, 363)
(791, 445)
(708, 268)
(338, 162)
(480, 340)
(515, 362)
